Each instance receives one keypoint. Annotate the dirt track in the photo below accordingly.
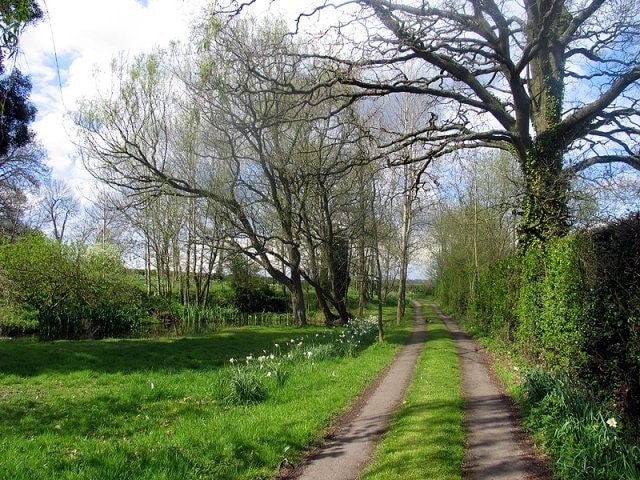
(496, 448)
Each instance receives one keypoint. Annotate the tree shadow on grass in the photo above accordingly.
(28, 357)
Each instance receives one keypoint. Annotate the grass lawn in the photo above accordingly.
(426, 438)
(151, 409)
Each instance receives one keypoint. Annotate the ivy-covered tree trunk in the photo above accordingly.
(544, 205)
(545, 209)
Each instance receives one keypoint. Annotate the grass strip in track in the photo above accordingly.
(426, 438)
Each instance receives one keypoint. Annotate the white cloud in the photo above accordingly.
(85, 34)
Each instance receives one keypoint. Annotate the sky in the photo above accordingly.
(85, 35)
(77, 38)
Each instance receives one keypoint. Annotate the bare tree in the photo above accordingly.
(242, 156)
(21, 169)
(58, 205)
(554, 82)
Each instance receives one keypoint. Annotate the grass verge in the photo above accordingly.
(152, 409)
(426, 437)
(583, 437)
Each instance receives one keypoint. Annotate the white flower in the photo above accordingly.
(612, 422)
(309, 354)
(277, 345)
(249, 358)
(272, 356)
(268, 374)
(232, 360)
(152, 386)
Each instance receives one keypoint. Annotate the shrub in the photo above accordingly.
(76, 291)
(245, 386)
(612, 259)
(565, 309)
(17, 321)
(529, 309)
(585, 439)
(494, 306)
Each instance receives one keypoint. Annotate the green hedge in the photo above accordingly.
(613, 343)
(564, 310)
(495, 299)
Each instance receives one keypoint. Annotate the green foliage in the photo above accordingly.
(585, 440)
(529, 308)
(250, 292)
(612, 263)
(16, 321)
(494, 304)
(76, 291)
(565, 310)
(580, 307)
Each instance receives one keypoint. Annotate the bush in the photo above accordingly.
(612, 259)
(566, 310)
(494, 305)
(16, 321)
(529, 309)
(75, 291)
(585, 440)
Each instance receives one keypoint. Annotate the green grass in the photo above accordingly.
(151, 409)
(426, 438)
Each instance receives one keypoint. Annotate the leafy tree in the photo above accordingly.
(15, 15)
(75, 291)
(21, 159)
(16, 112)
(474, 227)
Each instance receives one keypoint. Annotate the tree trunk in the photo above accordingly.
(295, 287)
(329, 317)
(297, 301)
(376, 247)
(545, 210)
(404, 257)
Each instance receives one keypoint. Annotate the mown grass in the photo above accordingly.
(151, 409)
(426, 439)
